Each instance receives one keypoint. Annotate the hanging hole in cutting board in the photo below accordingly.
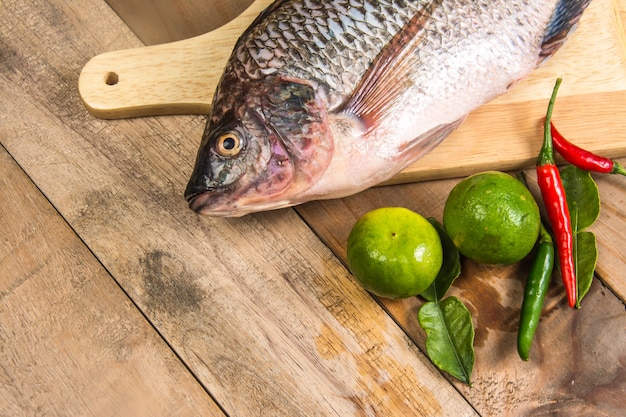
(148, 80)
(111, 78)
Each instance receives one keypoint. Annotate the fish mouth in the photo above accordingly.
(205, 200)
(215, 203)
(197, 200)
(208, 202)
(199, 197)
(194, 190)
(204, 203)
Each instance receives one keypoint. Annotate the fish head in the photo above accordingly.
(265, 143)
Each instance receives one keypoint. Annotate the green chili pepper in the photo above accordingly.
(535, 292)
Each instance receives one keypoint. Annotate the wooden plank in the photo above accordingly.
(258, 308)
(71, 342)
(574, 366)
(505, 134)
(609, 231)
(160, 21)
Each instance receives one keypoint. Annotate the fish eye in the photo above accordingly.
(228, 144)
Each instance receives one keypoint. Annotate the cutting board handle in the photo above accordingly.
(173, 78)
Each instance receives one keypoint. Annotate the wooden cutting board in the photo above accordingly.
(505, 134)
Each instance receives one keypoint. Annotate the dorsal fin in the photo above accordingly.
(563, 22)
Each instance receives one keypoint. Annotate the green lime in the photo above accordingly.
(492, 218)
(394, 252)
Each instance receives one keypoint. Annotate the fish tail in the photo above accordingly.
(564, 20)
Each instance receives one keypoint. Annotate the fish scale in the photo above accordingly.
(324, 98)
(338, 58)
(357, 33)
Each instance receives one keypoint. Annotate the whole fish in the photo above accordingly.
(324, 98)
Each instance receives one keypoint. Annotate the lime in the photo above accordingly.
(492, 218)
(394, 252)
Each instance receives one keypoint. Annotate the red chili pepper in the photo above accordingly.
(582, 158)
(553, 193)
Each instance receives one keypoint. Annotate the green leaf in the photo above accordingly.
(449, 336)
(586, 260)
(583, 200)
(450, 269)
(582, 195)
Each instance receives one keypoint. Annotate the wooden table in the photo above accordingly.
(115, 299)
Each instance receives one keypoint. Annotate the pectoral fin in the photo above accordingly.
(426, 142)
(389, 75)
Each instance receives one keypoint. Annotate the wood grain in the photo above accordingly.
(71, 342)
(180, 77)
(261, 312)
(160, 21)
(609, 231)
(575, 366)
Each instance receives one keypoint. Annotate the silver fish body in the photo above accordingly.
(324, 98)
